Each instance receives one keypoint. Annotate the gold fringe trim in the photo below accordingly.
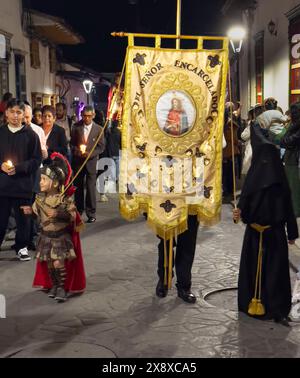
(164, 231)
(130, 215)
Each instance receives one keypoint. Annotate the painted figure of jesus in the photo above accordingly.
(177, 121)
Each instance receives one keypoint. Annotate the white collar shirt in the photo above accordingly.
(40, 132)
(87, 130)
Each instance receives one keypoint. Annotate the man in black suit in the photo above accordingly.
(83, 137)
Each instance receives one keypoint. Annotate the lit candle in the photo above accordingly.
(9, 163)
(82, 148)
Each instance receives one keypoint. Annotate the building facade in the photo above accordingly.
(269, 64)
(28, 45)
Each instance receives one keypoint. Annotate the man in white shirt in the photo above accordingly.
(37, 129)
(83, 138)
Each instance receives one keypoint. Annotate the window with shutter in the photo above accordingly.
(3, 79)
(52, 59)
(20, 76)
(5, 58)
(35, 54)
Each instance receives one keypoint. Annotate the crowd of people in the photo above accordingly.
(42, 149)
(276, 126)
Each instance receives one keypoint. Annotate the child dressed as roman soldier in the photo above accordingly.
(59, 258)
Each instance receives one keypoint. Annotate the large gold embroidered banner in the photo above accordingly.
(172, 136)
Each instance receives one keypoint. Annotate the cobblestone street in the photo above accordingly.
(119, 314)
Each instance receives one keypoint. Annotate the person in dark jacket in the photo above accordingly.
(291, 143)
(264, 288)
(20, 157)
(83, 138)
(55, 135)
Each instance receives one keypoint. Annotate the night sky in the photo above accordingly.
(96, 19)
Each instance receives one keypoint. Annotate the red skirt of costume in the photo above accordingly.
(75, 279)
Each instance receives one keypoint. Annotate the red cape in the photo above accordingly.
(75, 280)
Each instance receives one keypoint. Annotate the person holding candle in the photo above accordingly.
(83, 137)
(20, 157)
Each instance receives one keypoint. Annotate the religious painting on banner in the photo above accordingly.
(171, 161)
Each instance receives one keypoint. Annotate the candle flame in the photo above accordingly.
(82, 148)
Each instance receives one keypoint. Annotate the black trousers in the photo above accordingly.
(34, 222)
(184, 257)
(22, 220)
(85, 178)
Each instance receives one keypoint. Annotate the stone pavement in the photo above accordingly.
(120, 316)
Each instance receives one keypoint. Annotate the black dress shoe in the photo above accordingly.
(283, 321)
(186, 295)
(91, 220)
(161, 289)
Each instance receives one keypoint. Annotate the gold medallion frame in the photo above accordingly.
(179, 144)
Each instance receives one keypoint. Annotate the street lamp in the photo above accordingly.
(236, 35)
(87, 85)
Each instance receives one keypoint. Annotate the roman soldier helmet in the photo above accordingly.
(58, 169)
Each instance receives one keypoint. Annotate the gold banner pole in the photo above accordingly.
(178, 24)
(168, 36)
(232, 140)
